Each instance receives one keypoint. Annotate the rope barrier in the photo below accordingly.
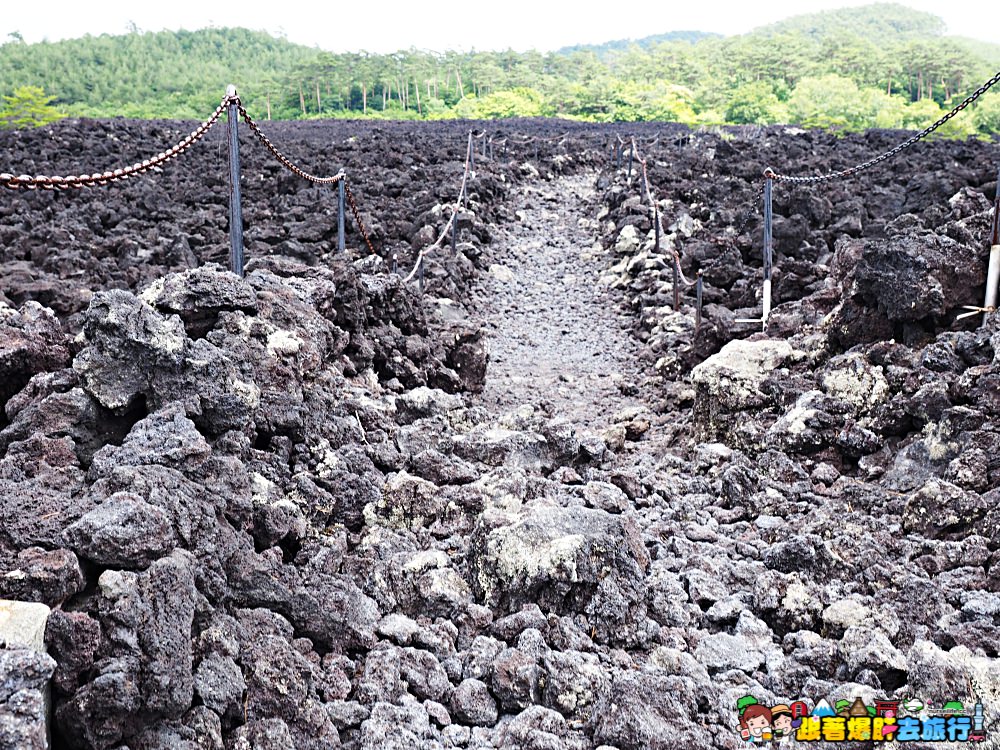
(451, 225)
(676, 266)
(282, 159)
(770, 173)
(46, 182)
(99, 179)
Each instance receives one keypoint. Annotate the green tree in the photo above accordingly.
(28, 107)
(755, 104)
(830, 101)
(987, 114)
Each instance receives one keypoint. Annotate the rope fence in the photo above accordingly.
(233, 107)
(235, 110)
(452, 226)
(764, 197)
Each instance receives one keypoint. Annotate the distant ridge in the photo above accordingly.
(619, 45)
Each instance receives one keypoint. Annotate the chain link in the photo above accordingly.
(357, 218)
(284, 160)
(46, 182)
(891, 153)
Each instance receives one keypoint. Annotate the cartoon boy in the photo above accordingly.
(781, 720)
(755, 723)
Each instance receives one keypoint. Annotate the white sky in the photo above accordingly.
(351, 25)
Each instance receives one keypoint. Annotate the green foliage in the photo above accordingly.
(518, 102)
(829, 101)
(880, 65)
(28, 107)
(986, 115)
(755, 103)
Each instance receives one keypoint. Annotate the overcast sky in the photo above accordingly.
(352, 25)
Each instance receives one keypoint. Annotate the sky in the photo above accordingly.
(353, 25)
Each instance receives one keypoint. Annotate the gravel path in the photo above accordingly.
(558, 340)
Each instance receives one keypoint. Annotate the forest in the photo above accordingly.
(877, 66)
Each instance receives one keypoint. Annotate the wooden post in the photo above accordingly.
(235, 207)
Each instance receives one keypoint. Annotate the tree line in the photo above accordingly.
(881, 65)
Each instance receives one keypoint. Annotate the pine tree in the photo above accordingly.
(28, 107)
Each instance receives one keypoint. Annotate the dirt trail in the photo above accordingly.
(558, 340)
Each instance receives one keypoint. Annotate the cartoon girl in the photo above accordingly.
(781, 720)
(755, 724)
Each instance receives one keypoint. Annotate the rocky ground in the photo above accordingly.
(532, 508)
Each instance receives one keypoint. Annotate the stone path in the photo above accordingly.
(558, 340)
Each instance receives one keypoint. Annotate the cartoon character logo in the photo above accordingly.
(755, 720)
(781, 721)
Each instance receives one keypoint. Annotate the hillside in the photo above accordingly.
(879, 22)
(619, 45)
(881, 66)
(150, 74)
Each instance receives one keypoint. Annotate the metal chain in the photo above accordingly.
(357, 218)
(45, 182)
(891, 153)
(284, 160)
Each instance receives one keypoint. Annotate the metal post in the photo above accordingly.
(454, 230)
(993, 274)
(699, 286)
(484, 145)
(618, 155)
(677, 283)
(768, 251)
(491, 149)
(235, 208)
(395, 262)
(341, 206)
(420, 274)
(631, 150)
(472, 153)
(656, 227)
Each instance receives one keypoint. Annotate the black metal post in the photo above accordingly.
(420, 274)
(472, 153)
(677, 283)
(993, 269)
(656, 226)
(697, 310)
(618, 155)
(768, 250)
(454, 230)
(341, 207)
(235, 207)
(631, 150)
(395, 262)
(484, 146)
(491, 149)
